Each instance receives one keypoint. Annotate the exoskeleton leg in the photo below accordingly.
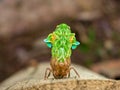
(46, 76)
(72, 68)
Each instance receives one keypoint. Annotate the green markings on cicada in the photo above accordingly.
(61, 41)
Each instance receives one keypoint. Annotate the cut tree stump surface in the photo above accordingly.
(32, 78)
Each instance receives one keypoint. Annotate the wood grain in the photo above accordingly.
(31, 78)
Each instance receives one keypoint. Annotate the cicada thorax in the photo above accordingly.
(60, 69)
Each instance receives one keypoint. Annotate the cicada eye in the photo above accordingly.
(49, 44)
(74, 45)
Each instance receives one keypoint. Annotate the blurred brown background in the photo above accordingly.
(25, 23)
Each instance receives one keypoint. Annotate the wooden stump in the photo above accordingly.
(32, 78)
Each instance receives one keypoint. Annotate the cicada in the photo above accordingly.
(61, 42)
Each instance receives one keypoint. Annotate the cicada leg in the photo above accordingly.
(46, 76)
(72, 68)
(69, 75)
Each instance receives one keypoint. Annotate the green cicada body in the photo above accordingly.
(61, 41)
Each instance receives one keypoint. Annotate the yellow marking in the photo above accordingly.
(71, 38)
(53, 37)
